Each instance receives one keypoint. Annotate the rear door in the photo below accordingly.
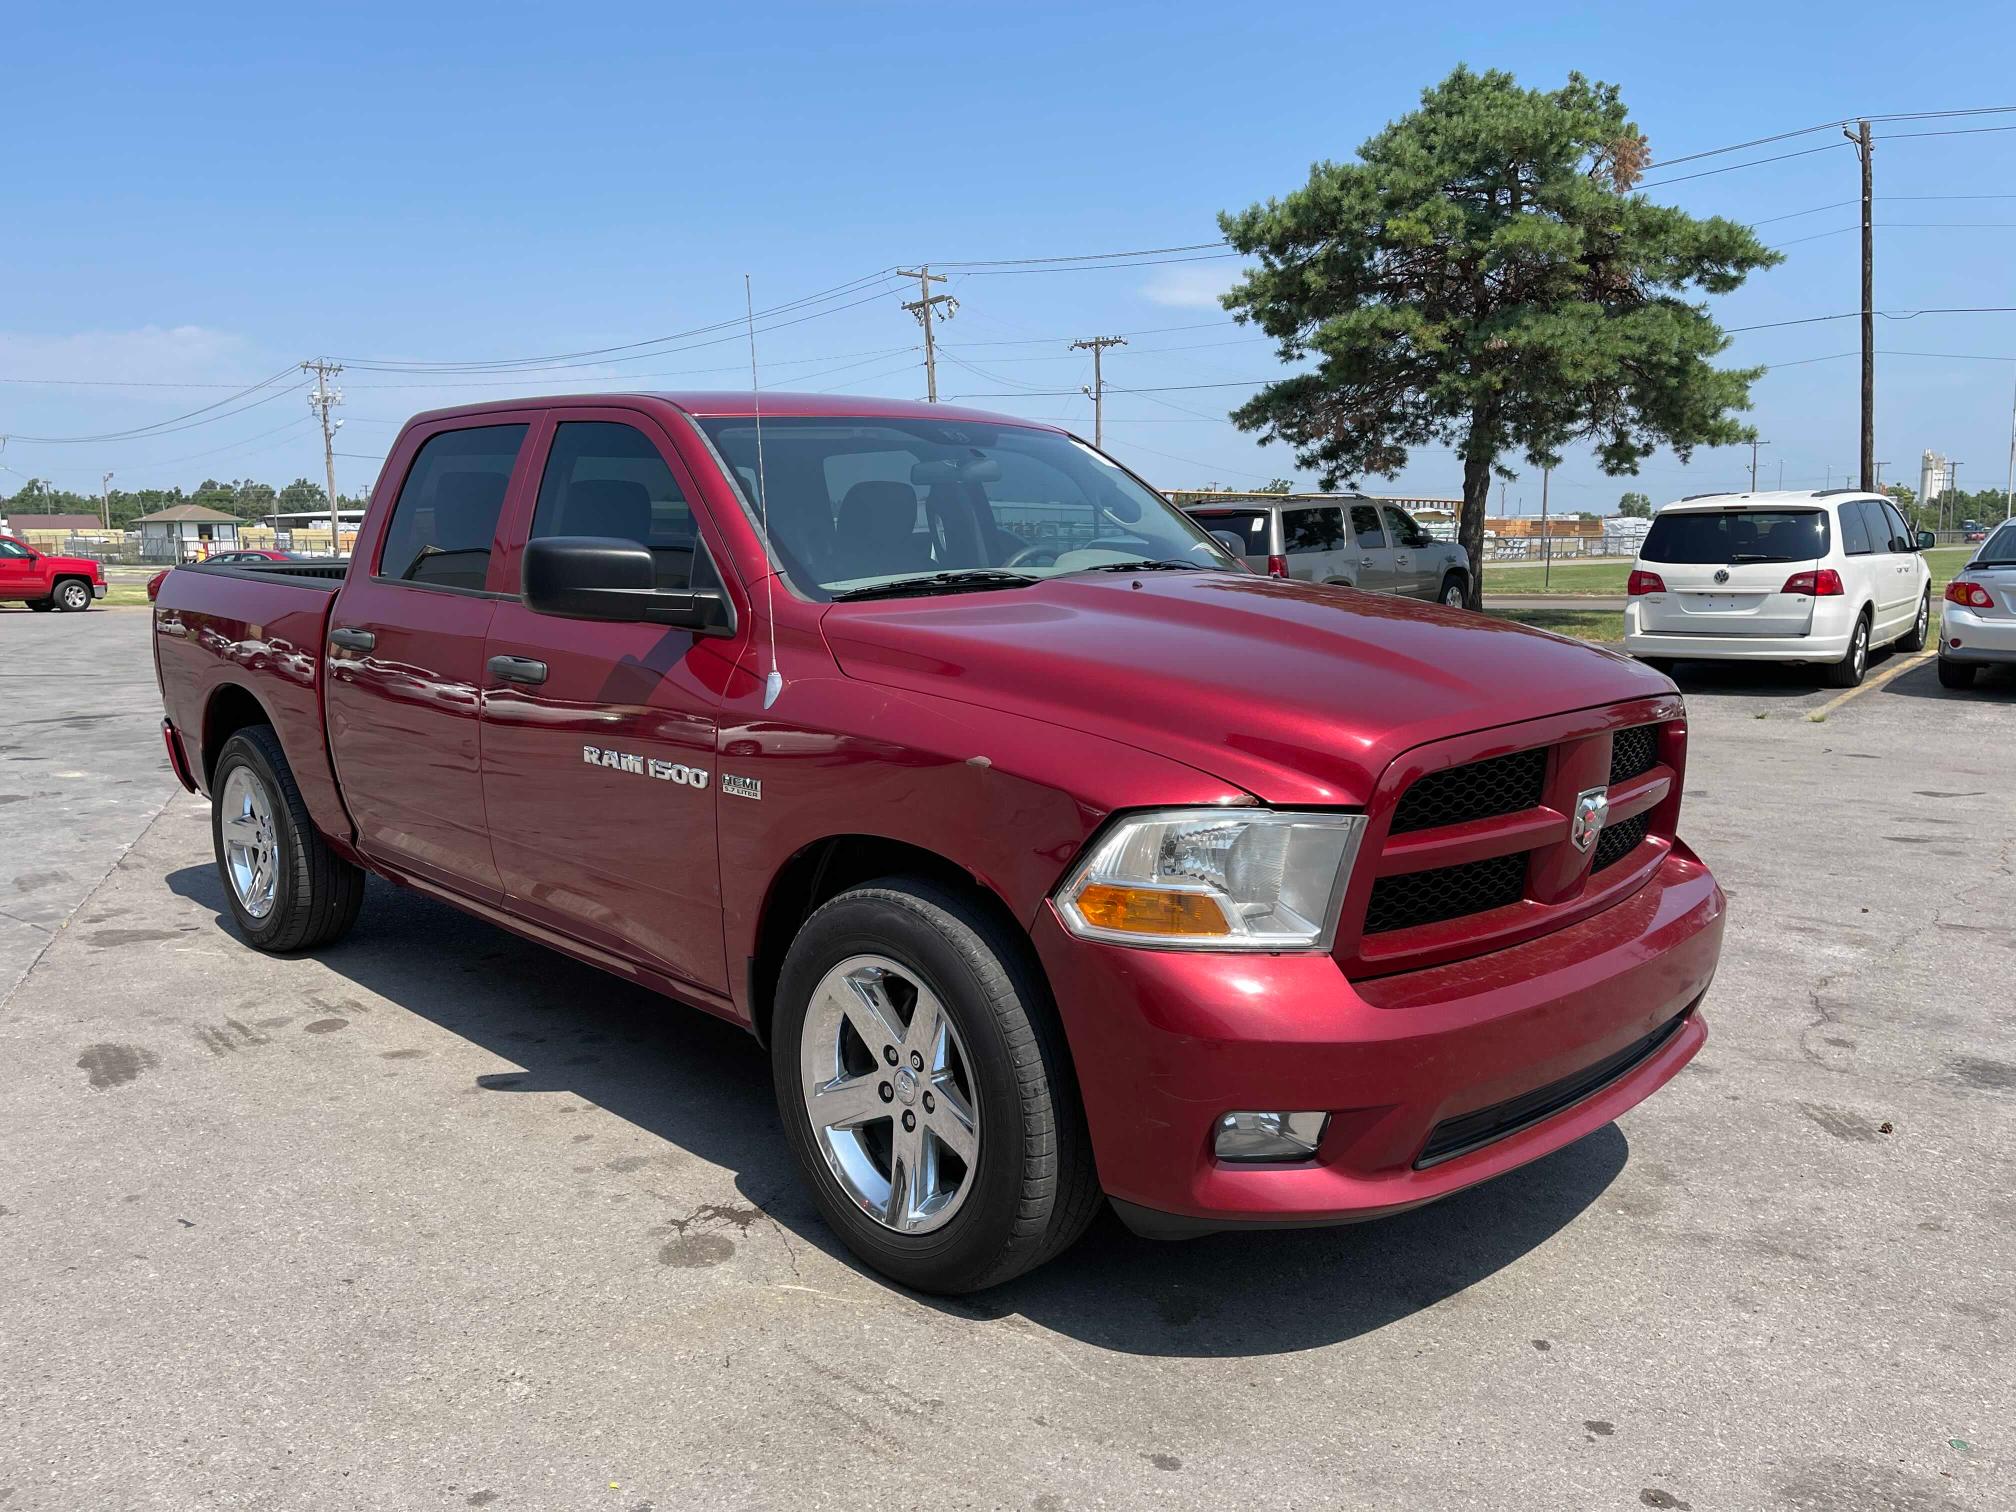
(1372, 552)
(1725, 570)
(1249, 533)
(599, 739)
(405, 670)
(1313, 540)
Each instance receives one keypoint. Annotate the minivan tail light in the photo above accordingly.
(1826, 583)
(1973, 595)
(1645, 582)
(1277, 566)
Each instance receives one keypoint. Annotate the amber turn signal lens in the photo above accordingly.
(1149, 911)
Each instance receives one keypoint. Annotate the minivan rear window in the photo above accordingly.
(1737, 535)
(1249, 525)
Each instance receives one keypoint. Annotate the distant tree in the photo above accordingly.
(1635, 506)
(1276, 486)
(300, 495)
(1483, 278)
(250, 499)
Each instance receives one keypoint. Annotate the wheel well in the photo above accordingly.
(231, 709)
(825, 869)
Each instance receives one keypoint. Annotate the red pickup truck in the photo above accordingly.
(1054, 855)
(48, 582)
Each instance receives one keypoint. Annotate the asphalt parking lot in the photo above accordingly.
(438, 1219)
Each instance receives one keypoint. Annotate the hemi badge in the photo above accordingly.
(741, 787)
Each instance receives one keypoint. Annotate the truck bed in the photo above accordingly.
(226, 634)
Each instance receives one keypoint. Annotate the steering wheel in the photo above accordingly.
(1049, 553)
(1028, 557)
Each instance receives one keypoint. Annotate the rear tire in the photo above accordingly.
(1914, 638)
(72, 596)
(285, 888)
(1031, 1187)
(1955, 675)
(1664, 664)
(1848, 672)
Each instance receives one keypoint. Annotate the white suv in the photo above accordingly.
(1792, 577)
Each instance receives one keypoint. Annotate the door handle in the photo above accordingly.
(518, 669)
(352, 640)
(1364, 561)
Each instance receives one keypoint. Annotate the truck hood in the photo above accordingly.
(1296, 692)
(83, 566)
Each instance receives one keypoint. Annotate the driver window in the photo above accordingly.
(1405, 531)
(9, 549)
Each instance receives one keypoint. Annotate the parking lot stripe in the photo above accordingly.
(1872, 684)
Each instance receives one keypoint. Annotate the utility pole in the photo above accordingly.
(1952, 491)
(921, 308)
(1864, 150)
(1753, 463)
(105, 496)
(1097, 393)
(1546, 541)
(2009, 488)
(321, 401)
(1781, 475)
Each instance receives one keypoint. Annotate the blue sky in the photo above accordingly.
(203, 195)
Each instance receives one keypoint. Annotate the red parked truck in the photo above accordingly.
(48, 582)
(1054, 855)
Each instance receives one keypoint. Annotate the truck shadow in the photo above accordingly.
(702, 1086)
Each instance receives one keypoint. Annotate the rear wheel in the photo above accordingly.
(73, 595)
(1847, 672)
(1954, 674)
(1664, 664)
(925, 1089)
(286, 889)
(1914, 638)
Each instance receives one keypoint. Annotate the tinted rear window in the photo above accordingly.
(446, 514)
(1248, 525)
(1725, 536)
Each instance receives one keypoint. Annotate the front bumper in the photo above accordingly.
(97, 590)
(1164, 1043)
(1983, 642)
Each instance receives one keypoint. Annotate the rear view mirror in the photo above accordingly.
(951, 470)
(1926, 541)
(615, 580)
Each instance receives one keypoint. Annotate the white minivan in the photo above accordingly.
(1787, 576)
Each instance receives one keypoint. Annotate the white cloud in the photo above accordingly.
(1195, 287)
(150, 354)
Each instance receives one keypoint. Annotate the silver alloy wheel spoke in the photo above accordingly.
(889, 1095)
(251, 850)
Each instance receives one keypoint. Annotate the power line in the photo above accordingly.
(209, 414)
(1014, 262)
(1731, 168)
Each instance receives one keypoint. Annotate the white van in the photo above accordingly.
(1787, 576)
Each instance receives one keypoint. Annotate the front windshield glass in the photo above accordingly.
(857, 506)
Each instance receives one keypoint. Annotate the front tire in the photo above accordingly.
(1847, 672)
(1453, 594)
(72, 596)
(1914, 638)
(925, 1089)
(285, 888)
(1956, 675)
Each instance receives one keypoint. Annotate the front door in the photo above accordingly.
(406, 660)
(1411, 565)
(599, 761)
(18, 577)
(1897, 572)
(1373, 554)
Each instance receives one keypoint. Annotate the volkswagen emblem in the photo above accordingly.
(1721, 574)
(1592, 807)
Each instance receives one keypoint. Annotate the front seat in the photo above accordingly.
(876, 533)
(618, 507)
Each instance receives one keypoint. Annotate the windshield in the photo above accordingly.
(858, 504)
(1727, 536)
(1999, 550)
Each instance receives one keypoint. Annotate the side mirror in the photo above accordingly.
(1926, 540)
(606, 578)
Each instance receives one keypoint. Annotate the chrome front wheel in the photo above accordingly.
(251, 846)
(890, 1094)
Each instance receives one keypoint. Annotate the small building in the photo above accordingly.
(183, 531)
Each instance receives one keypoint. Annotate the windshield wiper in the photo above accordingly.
(1754, 556)
(966, 580)
(1156, 564)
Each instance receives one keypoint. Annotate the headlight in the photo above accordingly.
(1215, 879)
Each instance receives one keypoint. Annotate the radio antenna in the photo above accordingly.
(774, 683)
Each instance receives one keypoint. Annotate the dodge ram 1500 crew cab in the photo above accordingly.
(1054, 855)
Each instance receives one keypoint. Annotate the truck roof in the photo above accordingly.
(743, 403)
